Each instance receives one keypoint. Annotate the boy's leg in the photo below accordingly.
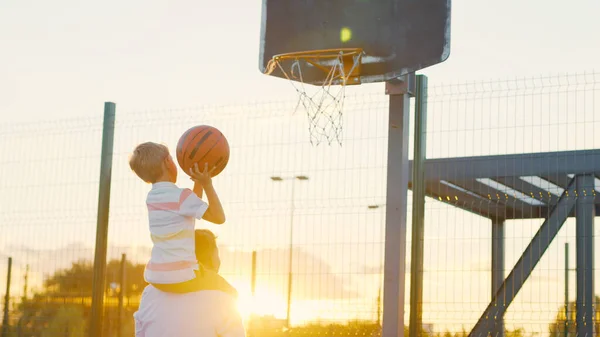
(205, 280)
(178, 288)
(210, 280)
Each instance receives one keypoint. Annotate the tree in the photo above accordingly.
(518, 332)
(77, 280)
(72, 288)
(67, 322)
(557, 328)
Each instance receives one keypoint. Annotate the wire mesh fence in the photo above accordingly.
(522, 141)
(332, 222)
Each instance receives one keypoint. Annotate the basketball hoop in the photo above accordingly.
(323, 106)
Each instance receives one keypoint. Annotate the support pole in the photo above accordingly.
(253, 279)
(498, 270)
(400, 92)
(566, 332)
(7, 300)
(418, 209)
(288, 318)
(122, 289)
(584, 213)
(102, 221)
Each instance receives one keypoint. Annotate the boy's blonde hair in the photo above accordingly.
(147, 161)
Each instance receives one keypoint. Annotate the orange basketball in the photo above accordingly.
(203, 144)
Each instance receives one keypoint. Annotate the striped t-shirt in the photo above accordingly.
(172, 213)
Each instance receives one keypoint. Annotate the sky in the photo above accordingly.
(171, 65)
(65, 58)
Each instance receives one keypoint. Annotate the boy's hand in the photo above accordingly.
(203, 178)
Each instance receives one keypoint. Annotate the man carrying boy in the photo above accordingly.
(206, 313)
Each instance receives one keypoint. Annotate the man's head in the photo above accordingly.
(207, 252)
(152, 163)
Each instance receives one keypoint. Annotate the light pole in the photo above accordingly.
(291, 241)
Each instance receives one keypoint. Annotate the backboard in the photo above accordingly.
(396, 36)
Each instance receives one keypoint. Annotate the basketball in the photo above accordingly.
(203, 144)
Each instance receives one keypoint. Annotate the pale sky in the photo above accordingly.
(64, 59)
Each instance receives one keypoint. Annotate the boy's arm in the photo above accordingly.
(203, 180)
(198, 190)
(214, 213)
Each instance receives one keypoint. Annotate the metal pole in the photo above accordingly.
(7, 300)
(122, 288)
(253, 279)
(289, 294)
(498, 269)
(584, 229)
(379, 307)
(102, 221)
(418, 208)
(25, 282)
(566, 332)
(379, 297)
(397, 189)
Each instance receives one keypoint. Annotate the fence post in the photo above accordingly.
(7, 300)
(418, 208)
(99, 277)
(122, 287)
(566, 332)
(253, 279)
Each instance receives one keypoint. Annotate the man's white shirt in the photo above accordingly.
(205, 313)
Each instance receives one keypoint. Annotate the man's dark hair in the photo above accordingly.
(206, 245)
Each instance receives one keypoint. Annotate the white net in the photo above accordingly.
(322, 104)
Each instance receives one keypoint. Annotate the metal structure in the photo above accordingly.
(458, 182)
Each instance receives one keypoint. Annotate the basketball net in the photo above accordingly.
(323, 104)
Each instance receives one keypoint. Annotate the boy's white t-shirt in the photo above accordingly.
(172, 213)
(205, 313)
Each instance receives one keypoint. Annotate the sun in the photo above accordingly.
(267, 301)
(263, 303)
